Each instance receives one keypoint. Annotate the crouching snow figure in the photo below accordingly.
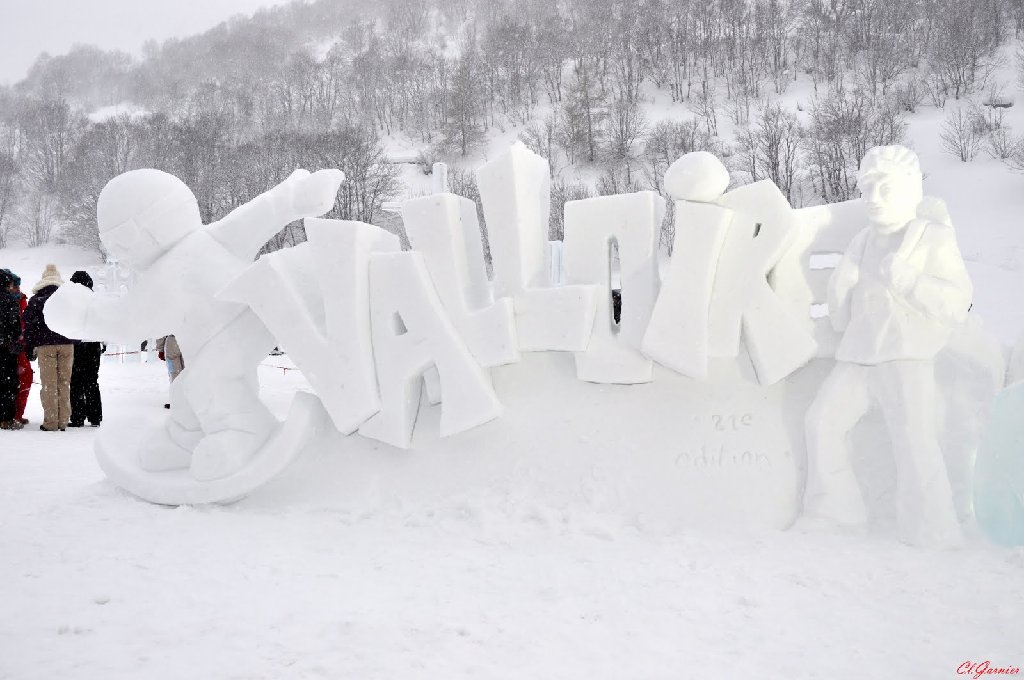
(150, 221)
(896, 295)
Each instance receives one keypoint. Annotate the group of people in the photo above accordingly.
(68, 369)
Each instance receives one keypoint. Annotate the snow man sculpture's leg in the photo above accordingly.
(445, 230)
(832, 492)
(222, 391)
(315, 300)
(594, 228)
(743, 303)
(677, 333)
(410, 334)
(170, 447)
(907, 397)
(515, 192)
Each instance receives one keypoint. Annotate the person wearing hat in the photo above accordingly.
(10, 348)
(86, 402)
(54, 352)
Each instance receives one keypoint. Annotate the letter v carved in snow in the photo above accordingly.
(314, 299)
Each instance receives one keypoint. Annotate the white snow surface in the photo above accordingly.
(299, 581)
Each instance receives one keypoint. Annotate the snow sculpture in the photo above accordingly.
(412, 333)
(596, 229)
(716, 290)
(999, 473)
(445, 230)
(515, 193)
(315, 299)
(897, 294)
(150, 221)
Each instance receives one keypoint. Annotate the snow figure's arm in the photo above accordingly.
(842, 282)
(247, 228)
(74, 311)
(928, 274)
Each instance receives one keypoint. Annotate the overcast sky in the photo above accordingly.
(28, 27)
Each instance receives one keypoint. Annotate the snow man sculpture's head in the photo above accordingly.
(890, 182)
(143, 213)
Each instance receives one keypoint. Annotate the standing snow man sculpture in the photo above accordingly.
(896, 295)
(150, 221)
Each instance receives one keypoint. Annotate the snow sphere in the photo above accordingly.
(696, 176)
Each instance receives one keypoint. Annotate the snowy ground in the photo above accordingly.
(96, 584)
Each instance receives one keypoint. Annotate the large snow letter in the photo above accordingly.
(677, 335)
(445, 230)
(742, 301)
(515, 192)
(411, 334)
(314, 298)
(596, 230)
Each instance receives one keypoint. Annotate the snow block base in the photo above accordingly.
(118, 444)
(671, 454)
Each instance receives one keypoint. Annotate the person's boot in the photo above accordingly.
(11, 425)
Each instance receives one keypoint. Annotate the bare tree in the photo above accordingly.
(771, 150)
(843, 127)
(961, 135)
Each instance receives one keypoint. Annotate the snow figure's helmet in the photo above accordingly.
(143, 213)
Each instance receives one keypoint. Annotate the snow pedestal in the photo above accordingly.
(669, 454)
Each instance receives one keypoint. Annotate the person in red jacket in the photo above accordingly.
(25, 373)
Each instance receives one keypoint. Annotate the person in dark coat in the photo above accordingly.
(55, 354)
(25, 372)
(86, 402)
(10, 348)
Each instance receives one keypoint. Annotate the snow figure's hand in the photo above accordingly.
(66, 310)
(315, 194)
(900, 274)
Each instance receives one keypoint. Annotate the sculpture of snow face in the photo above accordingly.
(896, 295)
(150, 220)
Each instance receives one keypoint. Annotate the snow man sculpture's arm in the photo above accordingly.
(247, 228)
(928, 273)
(74, 311)
(843, 281)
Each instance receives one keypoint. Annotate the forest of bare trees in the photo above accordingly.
(319, 84)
